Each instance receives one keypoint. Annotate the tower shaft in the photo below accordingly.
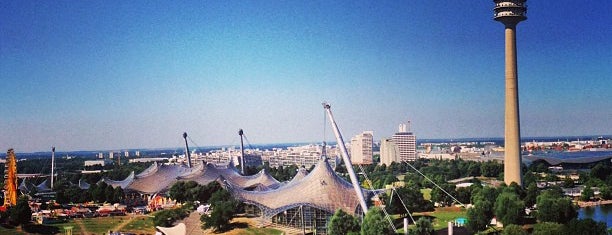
(510, 13)
(512, 136)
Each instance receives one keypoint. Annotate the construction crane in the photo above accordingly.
(346, 159)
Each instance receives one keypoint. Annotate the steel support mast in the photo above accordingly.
(52, 165)
(187, 153)
(346, 159)
(241, 133)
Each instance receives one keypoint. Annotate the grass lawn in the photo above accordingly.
(444, 215)
(4, 230)
(426, 193)
(75, 228)
(141, 224)
(104, 224)
(101, 224)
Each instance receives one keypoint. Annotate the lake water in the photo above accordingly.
(602, 213)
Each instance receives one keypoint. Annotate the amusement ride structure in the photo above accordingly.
(10, 179)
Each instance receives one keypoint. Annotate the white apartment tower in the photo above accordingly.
(361, 148)
(405, 141)
(388, 151)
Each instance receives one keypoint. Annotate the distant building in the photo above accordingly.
(405, 141)
(101, 155)
(361, 148)
(150, 159)
(388, 151)
(111, 155)
(137, 153)
(94, 162)
(252, 160)
(126, 154)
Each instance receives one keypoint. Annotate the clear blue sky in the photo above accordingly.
(87, 75)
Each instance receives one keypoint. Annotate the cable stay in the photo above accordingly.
(369, 183)
(247, 141)
(197, 147)
(434, 183)
(402, 201)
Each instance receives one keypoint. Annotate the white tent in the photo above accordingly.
(179, 229)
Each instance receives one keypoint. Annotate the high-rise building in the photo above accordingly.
(510, 13)
(388, 151)
(405, 141)
(361, 148)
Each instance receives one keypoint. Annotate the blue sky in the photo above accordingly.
(87, 75)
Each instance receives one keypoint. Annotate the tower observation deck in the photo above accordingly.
(510, 13)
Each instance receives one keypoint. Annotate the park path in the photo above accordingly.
(81, 226)
(192, 223)
(123, 224)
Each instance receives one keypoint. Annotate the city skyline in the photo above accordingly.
(123, 75)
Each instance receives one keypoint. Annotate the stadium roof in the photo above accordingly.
(159, 178)
(322, 189)
(578, 160)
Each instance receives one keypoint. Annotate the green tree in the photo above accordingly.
(117, 194)
(514, 229)
(473, 169)
(208, 190)
(601, 171)
(480, 215)
(587, 193)
(509, 209)
(548, 228)
(585, 227)
(422, 226)
(568, 182)
(529, 178)
(109, 191)
(531, 194)
(375, 223)
(21, 212)
(464, 194)
(166, 218)
(177, 191)
(554, 208)
(223, 208)
(605, 192)
(439, 196)
(342, 223)
(413, 199)
(491, 169)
